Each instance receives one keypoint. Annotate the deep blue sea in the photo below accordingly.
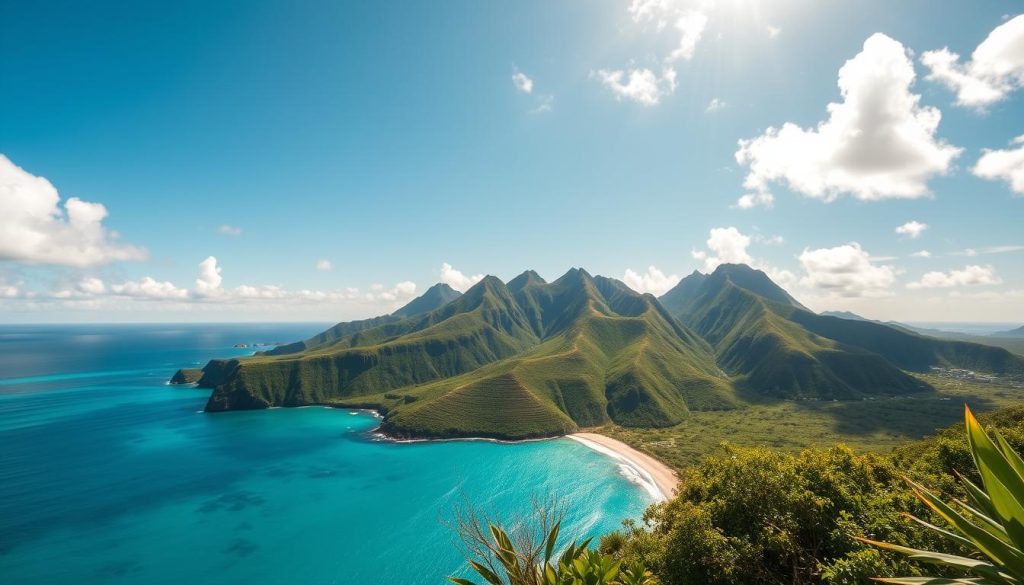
(108, 475)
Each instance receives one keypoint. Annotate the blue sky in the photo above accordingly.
(390, 140)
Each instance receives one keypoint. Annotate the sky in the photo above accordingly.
(325, 161)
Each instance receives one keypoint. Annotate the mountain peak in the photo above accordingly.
(436, 297)
(525, 279)
(755, 281)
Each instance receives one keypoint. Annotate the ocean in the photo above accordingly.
(109, 475)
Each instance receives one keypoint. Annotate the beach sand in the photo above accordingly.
(662, 476)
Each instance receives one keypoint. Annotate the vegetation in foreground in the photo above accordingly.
(762, 516)
(989, 523)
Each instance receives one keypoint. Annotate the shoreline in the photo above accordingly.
(656, 477)
(653, 473)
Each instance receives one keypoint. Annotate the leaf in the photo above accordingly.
(485, 573)
(1001, 480)
(994, 548)
(552, 538)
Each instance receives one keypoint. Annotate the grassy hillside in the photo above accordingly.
(530, 359)
(774, 347)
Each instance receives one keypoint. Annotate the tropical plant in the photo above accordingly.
(500, 561)
(990, 523)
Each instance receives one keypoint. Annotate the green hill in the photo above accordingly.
(774, 346)
(523, 360)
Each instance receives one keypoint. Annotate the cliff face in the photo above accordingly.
(186, 376)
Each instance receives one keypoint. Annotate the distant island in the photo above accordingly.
(529, 359)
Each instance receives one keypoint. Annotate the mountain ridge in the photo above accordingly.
(531, 358)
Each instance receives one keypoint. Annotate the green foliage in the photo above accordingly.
(989, 522)
(507, 564)
(756, 515)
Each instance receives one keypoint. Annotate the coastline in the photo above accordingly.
(653, 473)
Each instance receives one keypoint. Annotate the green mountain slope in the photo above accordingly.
(776, 347)
(528, 359)
(532, 358)
(436, 297)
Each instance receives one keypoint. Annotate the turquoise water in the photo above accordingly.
(108, 475)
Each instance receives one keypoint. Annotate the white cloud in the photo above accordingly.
(912, 229)
(209, 279)
(547, 104)
(657, 11)
(972, 275)
(642, 86)
(35, 229)
(1006, 165)
(456, 279)
(752, 200)
(775, 240)
(522, 82)
(324, 265)
(229, 230)
(714, 105)
(92, 286)
(846, 271)
(149, 288)
(653, 281)
(996, 67)
(726, 246)
(922, 254)
(773, 31)
(10, 291)
(691, 26)
(879, 142)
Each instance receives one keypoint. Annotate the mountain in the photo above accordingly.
(844, 315)
(1018, 332)
(526, 359)
(532, 359)
(436, 297)
(773, 346)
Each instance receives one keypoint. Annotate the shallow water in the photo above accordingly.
(108, 475)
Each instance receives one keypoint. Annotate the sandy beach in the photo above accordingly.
(661, 476)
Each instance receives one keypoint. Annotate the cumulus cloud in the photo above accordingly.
(522, 82)
(36, 228)
(972, 275)
(846, 271)
(995, 69)
(878, 143)
(1005, 165)
(691, 26)
(922, 254)
(912, 229)
(229, 230)
(653, 281)
(149, 288)
(457, 279)
(714, 105)
(642, 86)
(752, 200)
(209, 279)
(92, 286)
(773, 31)
(725, 246)
(324, 265)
